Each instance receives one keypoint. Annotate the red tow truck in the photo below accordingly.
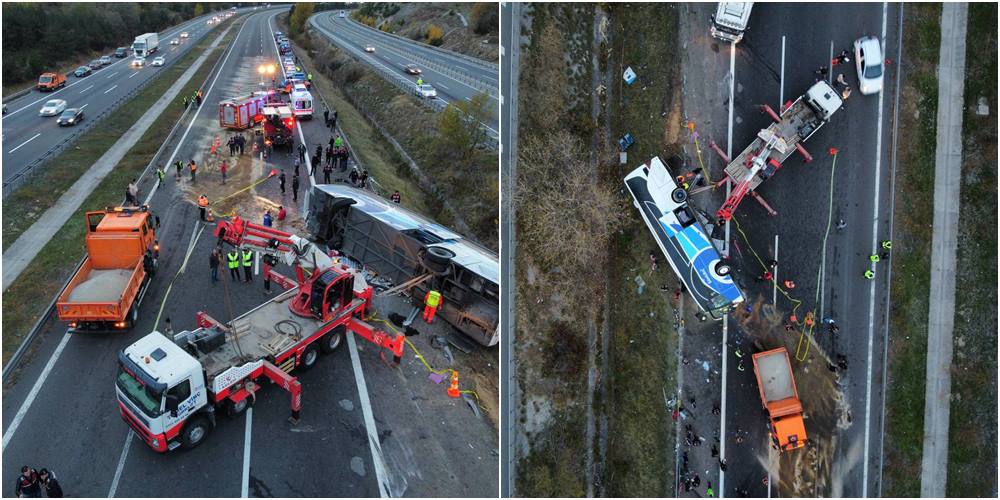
(170, 390)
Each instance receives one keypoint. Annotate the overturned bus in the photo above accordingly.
(402, 245)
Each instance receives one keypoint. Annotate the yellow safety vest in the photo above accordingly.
(234, 260)
(248, 258)
(433, 298)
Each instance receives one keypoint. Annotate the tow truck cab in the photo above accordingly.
(823, 100)
(162, 395)
(730, 20)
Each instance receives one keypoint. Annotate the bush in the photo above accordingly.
(435, 35)
(485, 18)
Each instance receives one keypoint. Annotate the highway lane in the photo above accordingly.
(450, 88)
(847, 449)
(27, 136)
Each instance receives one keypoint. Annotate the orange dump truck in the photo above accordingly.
(50, 81)
(780, 398)
(105, 293)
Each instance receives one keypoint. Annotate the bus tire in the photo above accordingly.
(195, 432)
(309, 357)
(722, 268)
(679, 195)
(331, 341)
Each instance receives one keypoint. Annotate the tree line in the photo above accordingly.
(39, 37)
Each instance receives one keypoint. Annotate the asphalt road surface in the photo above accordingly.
(28, 136)
(367, 430)
(845, 454)
(449, 74)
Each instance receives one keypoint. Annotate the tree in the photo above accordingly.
(198, 10)
(460, 126)
(485, 18)
(300, 14)
(435, 35)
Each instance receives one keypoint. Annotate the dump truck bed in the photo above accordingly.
(100, 294)
(102, 285)
(774, 374)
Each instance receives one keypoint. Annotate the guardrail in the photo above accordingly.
(404, 83)
(19, 93)
(15, 359)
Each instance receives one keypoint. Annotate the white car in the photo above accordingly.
(158, 61)
(426, 91)
(53, 107)
(138, 62)
(175, 41)
(870, 63)
(369, 48)
(184, 34)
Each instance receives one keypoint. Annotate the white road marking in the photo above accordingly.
(256, 263)
(366, 409)
(774, 291)
(245, 487)
(112, 88)
(19, 146)
(111, 75)
(871, 283)
(781, 95)
(14, 424)
(134, 74)
(725, 254)
(86, 89)
(121, 464)
(85, 105)
(829, 74)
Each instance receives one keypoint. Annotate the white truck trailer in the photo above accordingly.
(145, 44)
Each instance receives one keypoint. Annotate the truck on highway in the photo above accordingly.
(798, 121)
(169, 389)
(277, 126)
(730, 20)
(145, 44)
(106, 292)
(780, 398)
(50, 81)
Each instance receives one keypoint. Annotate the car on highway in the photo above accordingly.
(138, 62)
(158, 61)
(412, 69)
(82, 71)
(105, 60)
(175, 41)
(70, 117)
(369, 48)
(52, 108)
(289, 67)
(95, 64)
(121, 52)
(868, 57)
(184, 34)
(426, 91)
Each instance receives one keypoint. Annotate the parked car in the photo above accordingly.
(426, 91)
(158, 61)
(82, 71)
(95, 64)
(412, 69)
(105, 60)
(184, 34)
(70, 117)
(53, 107)
(868, 57)
(175, 41)
(369, 48)
(121, 52)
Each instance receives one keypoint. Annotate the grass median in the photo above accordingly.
(37, 194)
(26, 298)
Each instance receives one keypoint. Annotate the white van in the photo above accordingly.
(730, 20)
(302, 102)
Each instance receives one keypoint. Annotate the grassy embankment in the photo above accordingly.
(26, 298)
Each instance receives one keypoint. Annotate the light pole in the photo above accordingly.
(261, 69)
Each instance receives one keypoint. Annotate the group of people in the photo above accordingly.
(295, 183)
(358, 179)
(269, 219)
(237, 144)
(330, 119)
(31, 482)
(195, 98)
(235, 259)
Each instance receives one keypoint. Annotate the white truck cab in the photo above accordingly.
(823, 99)
(160, 388)
(730, 20)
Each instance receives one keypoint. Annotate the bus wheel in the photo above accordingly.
(679, 195)
(195, 432)
(722, 269)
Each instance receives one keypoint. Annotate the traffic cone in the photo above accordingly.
(208, 215)
(453, 389)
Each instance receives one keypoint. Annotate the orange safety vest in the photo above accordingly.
(433, 298)
(202, 201)
(194, 167)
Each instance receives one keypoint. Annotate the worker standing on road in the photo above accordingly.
(281, 181)
(203, 207)
(309, 77)
(194, 170)
(223, 168)
(160, 174)
(213, 264)
(179, 165)
(185, 103)
(281, 215)
(338, 142)
(302, 152)
(326, 115)
(396, 197)
(710, 492)
(295, 187)
(52, 488)
(268, 220)
(133, 191)
(874, 258)
(869, 274)
(233, 261)
(248, 265)
(28, 484)
(431, 302)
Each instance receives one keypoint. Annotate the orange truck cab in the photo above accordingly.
(105, 293)
(780, 397)
(51, 81)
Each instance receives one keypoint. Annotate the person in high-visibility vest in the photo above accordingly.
(431, 302)
(248, 264)
(420, 81)
(233, 259)
(203, 206)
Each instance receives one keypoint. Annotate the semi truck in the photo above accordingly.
(105, 293)
(170, 388)
(780, 398)
(798, 121)
(145, 44)
(730, 21)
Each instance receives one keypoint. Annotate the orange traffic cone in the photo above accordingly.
(453, 389)
(208, 216)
